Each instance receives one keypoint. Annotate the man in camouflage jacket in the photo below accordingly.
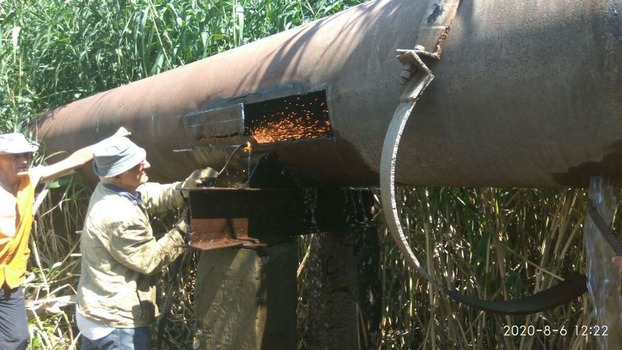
(120, 255)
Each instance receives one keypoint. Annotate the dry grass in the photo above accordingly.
(488, 243)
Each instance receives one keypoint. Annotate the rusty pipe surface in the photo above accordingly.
(526, 94)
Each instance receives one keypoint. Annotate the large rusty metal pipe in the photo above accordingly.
(526, 94)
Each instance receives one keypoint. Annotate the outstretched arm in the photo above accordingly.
(73, 161)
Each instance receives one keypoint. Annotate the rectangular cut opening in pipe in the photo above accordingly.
(291, 118)
(214, 126)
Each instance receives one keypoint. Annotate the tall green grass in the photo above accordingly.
(55, 51)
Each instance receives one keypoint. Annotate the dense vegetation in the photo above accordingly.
(493, 243)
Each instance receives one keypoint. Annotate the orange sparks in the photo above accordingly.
(290, 127)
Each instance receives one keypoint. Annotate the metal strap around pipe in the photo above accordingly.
(435, 26)
(423, 77)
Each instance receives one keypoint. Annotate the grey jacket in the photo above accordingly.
(121, 257)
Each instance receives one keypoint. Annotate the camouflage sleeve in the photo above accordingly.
(133, 245)
(160, 198)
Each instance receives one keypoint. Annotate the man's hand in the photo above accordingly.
(197, 177)
(182, 226)
(123, 132)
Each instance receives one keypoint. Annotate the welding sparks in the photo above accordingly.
(292, 120)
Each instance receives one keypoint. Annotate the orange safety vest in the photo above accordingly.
(14, 254)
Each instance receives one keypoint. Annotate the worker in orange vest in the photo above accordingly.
(17, 191)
